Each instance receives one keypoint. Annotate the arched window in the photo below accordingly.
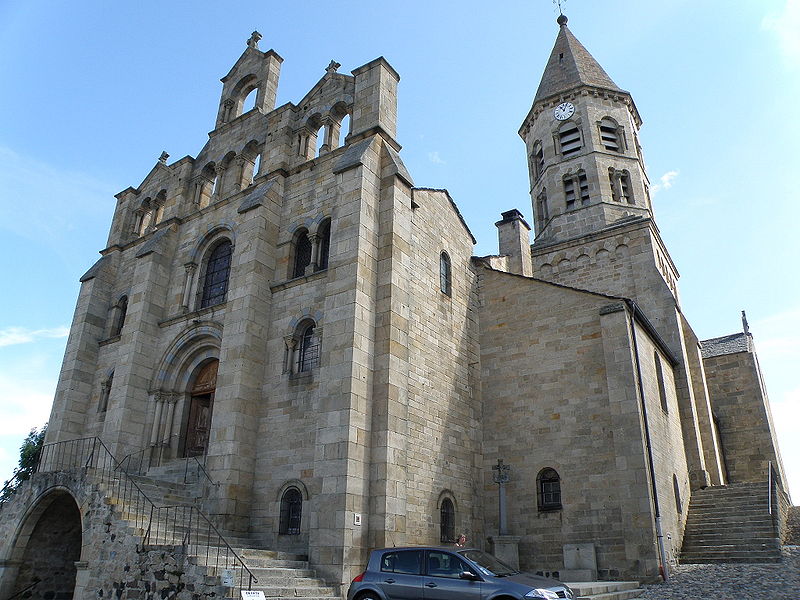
(569, 139)
(291, 512)
(120, 311)
(324, 241)
(249, 102)
(302, 254)
(445, 274)
(344, 129)
(217, 272)
(610, 135)
(307, 352)
(145, 217)
(447, 522)
(105, 392)
(548, 490)
(538, 161)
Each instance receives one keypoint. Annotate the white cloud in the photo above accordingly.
(785, 25)
(435, 158)
(11, 336)
(664, 182)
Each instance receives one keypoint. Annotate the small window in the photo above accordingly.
(218, 268)
(120, 311)
(548, 490)
(307, 350)
(620, 186)
(447, 522)
(610, 135)
(569, 138)
(576, 187)
(677, 491)
(542, 211)
(291, 512)
(662, 391)
(324, 241)
(445, 274)
(302, 254)
(538, 161)
(404, 562)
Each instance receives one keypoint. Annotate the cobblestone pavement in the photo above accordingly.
(776, 581)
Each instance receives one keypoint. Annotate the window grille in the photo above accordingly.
(549, 490)
(307, 351)
(445, 274)
(218, 268)
(291, 512)
(447, 525)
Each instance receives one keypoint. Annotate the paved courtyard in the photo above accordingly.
(779, 581)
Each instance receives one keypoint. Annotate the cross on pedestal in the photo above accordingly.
(501, 477)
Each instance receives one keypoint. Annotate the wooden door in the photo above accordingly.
(201, 407)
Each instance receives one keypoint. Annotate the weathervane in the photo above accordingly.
(560, 4)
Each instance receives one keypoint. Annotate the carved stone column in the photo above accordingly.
(291, 345)
(187, 284)
(314, 238)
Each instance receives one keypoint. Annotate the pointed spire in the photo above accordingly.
(570, 65)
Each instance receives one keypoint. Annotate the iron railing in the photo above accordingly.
(168, 525)
(140, 461)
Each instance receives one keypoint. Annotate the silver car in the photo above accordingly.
(434, 573)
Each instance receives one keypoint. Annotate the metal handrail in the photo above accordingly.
(25, 589)
(167, 523)
(769, 486)
(128, 459)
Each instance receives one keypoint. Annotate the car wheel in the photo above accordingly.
(367, 596)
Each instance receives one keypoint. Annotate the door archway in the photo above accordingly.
(47, 548)
(201, 407)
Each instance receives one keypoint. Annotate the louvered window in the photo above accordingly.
(569, 138)
(609, 135)
(538, 160)
(576, 187)
(620, 186)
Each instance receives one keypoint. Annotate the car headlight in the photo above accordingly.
(542, 593)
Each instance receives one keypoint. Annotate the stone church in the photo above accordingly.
(293, 344)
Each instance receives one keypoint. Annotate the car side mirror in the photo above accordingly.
(468, 575)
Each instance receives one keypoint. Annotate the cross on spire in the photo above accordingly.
(560, 4)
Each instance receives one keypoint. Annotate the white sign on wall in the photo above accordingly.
(252, 595)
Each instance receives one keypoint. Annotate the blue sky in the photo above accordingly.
(94, 91)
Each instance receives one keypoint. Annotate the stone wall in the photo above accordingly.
(559, 393)
(740, 405)
(109, 560)
(793, 527)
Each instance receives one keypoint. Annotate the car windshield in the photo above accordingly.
(488, 564)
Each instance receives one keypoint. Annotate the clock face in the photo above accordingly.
(564, 111)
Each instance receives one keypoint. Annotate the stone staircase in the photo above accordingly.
(730, 524)
(279, 575)
(606, 590)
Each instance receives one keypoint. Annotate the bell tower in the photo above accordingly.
(581, 134)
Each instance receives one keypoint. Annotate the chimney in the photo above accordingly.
(514, 237)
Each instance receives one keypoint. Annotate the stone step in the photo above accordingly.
(704, 559)
(605, 590)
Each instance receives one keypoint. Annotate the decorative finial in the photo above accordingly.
(163, 158)
(333, 67)
(745, 325)
(562, 19)
(254, 39)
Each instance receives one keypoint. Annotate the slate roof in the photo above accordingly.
(727, 344)
(570, 65)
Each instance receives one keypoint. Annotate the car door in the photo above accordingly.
(442, 581)
(400, 576)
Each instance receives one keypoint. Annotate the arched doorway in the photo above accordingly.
(48, 547)
(201, 407)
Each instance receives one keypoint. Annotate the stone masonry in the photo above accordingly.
(290, 312)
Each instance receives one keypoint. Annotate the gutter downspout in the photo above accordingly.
(659, 532)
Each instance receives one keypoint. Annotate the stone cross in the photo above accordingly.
(333, 67)
(501, 478)
(163, 158)
(254, 39)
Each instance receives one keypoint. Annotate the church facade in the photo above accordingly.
(290, 309)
